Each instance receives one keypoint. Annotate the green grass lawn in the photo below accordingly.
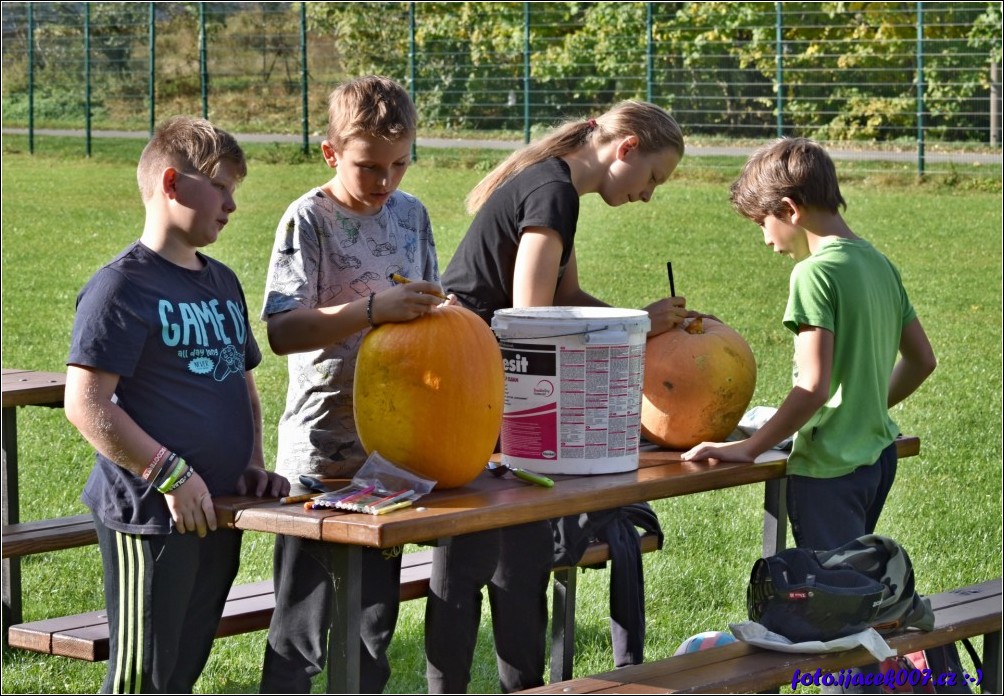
(64, 216)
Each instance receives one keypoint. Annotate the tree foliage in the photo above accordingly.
(835, 70)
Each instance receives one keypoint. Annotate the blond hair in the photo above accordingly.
(795, 168)
(372, 105)
(655, 129)
(188, 144)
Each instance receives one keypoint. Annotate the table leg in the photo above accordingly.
(563, 623)
(346, 615)
(11, 515)
(775, 516)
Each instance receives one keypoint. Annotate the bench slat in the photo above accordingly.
(249, 608)
(739, 667)
(27, 538)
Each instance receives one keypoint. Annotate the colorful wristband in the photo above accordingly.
(176, 473)
(154, 465)
(184, 477)
(167, 468)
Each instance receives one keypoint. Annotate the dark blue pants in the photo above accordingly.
(297, 645)
(164, 594)
(515, 564)
(827, 513)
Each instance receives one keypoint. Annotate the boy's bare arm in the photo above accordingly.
(89, 407)
(814, 361)
(306, 329)
(916, 363)
(112, 432)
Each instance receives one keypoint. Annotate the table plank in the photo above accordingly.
(32, 388)
(489, 503)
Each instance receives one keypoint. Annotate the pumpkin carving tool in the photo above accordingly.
(499, 470)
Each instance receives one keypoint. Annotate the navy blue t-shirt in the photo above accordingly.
(180, 342)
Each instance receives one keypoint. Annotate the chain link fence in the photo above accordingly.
(916, 81)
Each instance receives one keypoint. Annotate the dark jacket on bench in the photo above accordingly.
(617, 528)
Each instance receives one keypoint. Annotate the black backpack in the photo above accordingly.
(807, 595)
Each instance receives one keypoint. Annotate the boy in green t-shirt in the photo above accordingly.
(859, 349)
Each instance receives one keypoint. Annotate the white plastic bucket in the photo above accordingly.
(573, 387)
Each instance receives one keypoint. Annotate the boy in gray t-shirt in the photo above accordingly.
(327, 285)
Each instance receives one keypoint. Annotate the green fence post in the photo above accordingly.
(411, 70)
(31, 79)
(526, 72)
(203, 68)
(152, 68)
(87, 79)
(920, 89)
(649, 51)
(304, 95)
(779, 59)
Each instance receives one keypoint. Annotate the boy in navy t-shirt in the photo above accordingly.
(158, 381)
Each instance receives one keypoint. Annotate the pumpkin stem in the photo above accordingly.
(695, 327)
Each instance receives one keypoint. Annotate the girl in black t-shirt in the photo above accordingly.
(519, 252)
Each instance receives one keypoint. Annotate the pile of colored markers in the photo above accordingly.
(372, 500)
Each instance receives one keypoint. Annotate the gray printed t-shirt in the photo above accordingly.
(326, 255)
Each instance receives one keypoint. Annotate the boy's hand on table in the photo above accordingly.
(713, 452)
(260, 482)
(191, 507)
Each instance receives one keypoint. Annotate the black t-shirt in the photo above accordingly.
(180, 342)
(481, 271)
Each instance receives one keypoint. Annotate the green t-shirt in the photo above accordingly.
(850, 289)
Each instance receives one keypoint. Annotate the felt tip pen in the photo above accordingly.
(389, 500)
(391, 508)
(297, 498)
(397, 278)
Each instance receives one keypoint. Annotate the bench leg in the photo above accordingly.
(11, 515)
(563, 624)
(775, 516)
(992, 659)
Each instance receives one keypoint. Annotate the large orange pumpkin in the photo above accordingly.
(429, 394)
(699, 379)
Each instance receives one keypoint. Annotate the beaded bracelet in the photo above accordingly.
(184, 477)
(369, 309)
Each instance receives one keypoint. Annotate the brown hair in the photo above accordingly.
(189, 144)
(795, 168)
(371, 105)
(654, 127)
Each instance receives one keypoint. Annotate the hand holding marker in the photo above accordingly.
(397, 278)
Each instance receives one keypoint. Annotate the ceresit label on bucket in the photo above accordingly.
(573, 388)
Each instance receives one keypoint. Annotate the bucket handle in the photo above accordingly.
(600, 329)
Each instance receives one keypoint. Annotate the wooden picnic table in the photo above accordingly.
(20, 388)
(490, 503)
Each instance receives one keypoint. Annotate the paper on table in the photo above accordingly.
(771, 455)
(756, 634)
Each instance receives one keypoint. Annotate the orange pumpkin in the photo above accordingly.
(429, 394)
(699, 379)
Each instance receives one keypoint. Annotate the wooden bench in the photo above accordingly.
(27, 538)
(249, 608)
(742, 668)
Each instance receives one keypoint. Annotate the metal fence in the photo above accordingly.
(921, 78)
